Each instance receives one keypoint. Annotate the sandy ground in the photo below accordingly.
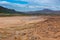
(30, 28)
(17, 21)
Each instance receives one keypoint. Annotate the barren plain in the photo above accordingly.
(30, 28)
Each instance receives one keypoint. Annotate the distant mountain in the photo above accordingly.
(6, 10)
(12, 11)
(44, 11)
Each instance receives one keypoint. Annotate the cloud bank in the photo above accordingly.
(31, 5)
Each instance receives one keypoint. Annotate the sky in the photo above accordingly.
(31, 5)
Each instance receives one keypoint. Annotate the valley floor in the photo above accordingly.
(30, 28)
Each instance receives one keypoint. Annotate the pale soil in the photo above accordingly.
(30, 28)
(17, 21)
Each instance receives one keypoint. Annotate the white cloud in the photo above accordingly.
(12, 4)
(33, 4)
(4, 2)
(20, 5)
(45, 2)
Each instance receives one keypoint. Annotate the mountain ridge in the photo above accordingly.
(7, 10)
(44, 11)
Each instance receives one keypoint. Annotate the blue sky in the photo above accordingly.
(31, 5)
